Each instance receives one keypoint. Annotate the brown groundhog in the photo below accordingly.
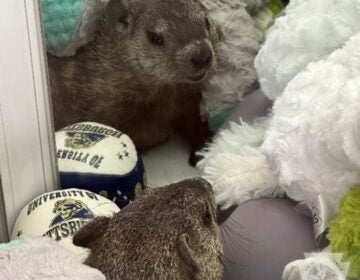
(168, 233)
(142, 73)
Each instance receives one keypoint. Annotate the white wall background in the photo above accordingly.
(3, 225)
(27, 150)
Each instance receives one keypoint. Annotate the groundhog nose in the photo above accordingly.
(203, 58)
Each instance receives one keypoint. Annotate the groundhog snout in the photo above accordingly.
(202, 58)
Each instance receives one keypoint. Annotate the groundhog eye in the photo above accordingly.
(207, 23)
(155, 39)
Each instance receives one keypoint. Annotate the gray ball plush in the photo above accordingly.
(236, 72)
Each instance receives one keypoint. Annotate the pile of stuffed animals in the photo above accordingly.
(86, 157)
(308, 147)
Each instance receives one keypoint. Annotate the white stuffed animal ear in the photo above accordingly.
(317, 266)
(235, 166)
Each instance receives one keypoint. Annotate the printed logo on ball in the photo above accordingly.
(60, 214)
(82, 140)
(95, 148)
(70, 213)
(68, 209)
(93, 127)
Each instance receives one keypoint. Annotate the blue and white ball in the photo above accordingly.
(60, 214)
(100, 159)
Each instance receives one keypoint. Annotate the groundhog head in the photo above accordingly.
(166, 233)
(164, 41)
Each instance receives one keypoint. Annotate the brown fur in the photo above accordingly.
(167, 233)
(122, 80)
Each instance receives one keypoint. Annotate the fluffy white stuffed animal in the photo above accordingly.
(309, 146)
(235, 163)
(309, 31)
(312, 142)
(42, 258)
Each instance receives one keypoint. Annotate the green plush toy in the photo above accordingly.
(265, 17)
(10, 245)
(344, 231)
(69, 24)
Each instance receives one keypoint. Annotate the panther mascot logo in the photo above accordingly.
(70, 208)
(80, 140)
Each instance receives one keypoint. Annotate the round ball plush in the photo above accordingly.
(60, 214)
(344, 231)
(100, 159)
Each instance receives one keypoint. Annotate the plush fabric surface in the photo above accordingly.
(308, 147)
(312, 141)
(254, 105)
(308, 31)
(70, 24)
(262, 236)
(243, 24)
(235, 70)
(233, 162)
(317, 266)
(250, 5)
(59, 20)
(42, 259)
(344, 231)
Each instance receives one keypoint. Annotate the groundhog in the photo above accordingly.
(142, 73)
(166, 233)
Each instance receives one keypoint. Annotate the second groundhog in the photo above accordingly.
(168, 233)
(142, 73)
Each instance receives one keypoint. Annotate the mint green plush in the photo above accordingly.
(216, 121)
(59, 20)
(10, 245)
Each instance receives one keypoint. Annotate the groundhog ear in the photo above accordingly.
(223, 215)
(219, 32)
(91, 232)
(187, 256)
(118, 11)
(215, 29)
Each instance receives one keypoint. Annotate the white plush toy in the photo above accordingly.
(309, 31)
(313, 138)
(41, 258)
(309, 146)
